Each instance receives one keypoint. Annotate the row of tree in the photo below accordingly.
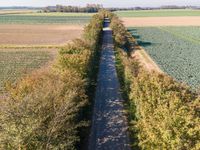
(154, 8)
(90, 8)
(164, 114)
(50, 109)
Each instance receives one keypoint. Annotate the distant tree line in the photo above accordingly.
(90, 8)
(153, 8)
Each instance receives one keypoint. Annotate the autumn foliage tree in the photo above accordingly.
(48, 108)
(164, 114)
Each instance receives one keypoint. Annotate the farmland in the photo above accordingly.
(14, 11)
(174, 49)
(161, 17)
(158, 13)
(161, 21)
(58, 107)
(38, 34)
(27, 39)
(46, 18)
(14, 63)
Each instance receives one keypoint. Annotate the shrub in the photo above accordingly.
(122, 38)
(48, 109)
(167, 112)
(164, 113)
(42, 112)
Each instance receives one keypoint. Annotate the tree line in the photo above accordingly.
(90, 8)
(51, 108)
(163, 114)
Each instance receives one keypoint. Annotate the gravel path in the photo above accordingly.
(109, 126)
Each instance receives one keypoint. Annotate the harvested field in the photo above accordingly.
(38, 34)
(10, 11)
(161, 21)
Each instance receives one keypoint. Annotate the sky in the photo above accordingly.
(106, 3)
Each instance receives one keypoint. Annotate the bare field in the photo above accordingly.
(161, 21)
(38, 34)
(10, 11)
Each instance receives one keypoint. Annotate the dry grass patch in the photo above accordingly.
(145, 60)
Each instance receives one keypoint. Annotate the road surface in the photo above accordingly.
(109, 124)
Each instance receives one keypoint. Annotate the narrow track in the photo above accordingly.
(109, 125)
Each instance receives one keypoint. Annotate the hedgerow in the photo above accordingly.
(167, 112)
(163, 113)
(49, 109)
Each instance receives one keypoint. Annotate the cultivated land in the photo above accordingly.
(15, 63)
(174, 49)
(161, 21)
(160, 17)
(52, 109)
(38, 34)
(159, 13)
(14, 11)
(46, 18)
(27, 39)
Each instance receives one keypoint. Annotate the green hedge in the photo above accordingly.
(167, 112)
(163, 113)
(48, 109)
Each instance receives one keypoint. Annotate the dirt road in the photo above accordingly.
(109, 126)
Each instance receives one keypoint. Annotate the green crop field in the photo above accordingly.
(174, 49)
(46, 18)
(158, 13)
(57, 14)
(14, 63)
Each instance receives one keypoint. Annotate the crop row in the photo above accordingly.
(175, 51)
(31, 19)
(158, 13)
(14, 63)
(163, 113)
(50, 109)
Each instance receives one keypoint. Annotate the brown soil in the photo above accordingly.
(145, 60)
(38, 34)
(161, 21)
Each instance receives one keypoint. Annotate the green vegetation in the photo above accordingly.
(69, 14)
(90, 8)
(46, 18)
(49, 109)
(174, 49)
(158, 13)
(14, 63)
(163, 113)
